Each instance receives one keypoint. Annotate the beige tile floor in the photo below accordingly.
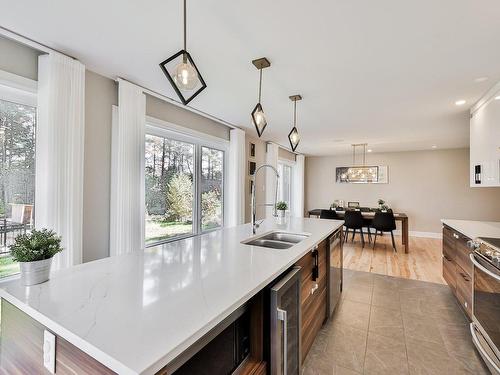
(389, 325)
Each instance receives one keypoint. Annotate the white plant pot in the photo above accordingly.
(37, 272)
(281, 217)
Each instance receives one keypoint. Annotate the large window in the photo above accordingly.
(285, 183)
(184, 186)
(212, 171)
(17, 176)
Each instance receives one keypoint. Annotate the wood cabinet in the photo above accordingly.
(457, 267)
(22, 348)
(313, 294)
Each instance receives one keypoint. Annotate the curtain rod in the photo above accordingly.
(30, 42)
(180, 105)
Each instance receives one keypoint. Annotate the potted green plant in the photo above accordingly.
(34, 252)
(281, 207)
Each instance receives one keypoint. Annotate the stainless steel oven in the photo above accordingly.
(485, 326)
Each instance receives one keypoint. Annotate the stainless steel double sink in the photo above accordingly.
(276, 240)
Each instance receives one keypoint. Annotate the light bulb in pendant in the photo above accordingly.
(185, 76)
(259, 119)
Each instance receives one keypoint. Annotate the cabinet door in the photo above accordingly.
(464, 290)
(462, 254)
(449, 243)
(485, 143)
(450, 273)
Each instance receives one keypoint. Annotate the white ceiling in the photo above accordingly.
(385, 72)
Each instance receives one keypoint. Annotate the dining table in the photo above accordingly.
(402, 217)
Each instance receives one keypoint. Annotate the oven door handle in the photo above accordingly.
(483, 353)
(482, 268)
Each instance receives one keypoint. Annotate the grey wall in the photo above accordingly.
(285, 154)
(18, 59)
(176, 115)
(101, 94)
(260, 193)
(427, 185)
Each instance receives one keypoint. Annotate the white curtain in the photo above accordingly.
(298, 187)
(127, 170)
(271, 159)
(59, 153)
(235, 212)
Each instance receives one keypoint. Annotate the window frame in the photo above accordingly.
(290, 164)
(161, 128)
(19, 90)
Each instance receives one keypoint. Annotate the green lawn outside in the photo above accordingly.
(161, 230)
(8, 266)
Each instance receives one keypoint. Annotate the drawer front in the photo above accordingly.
(450, 273)
(448, 243)
(312, 321)
(308, 285)
(462, 255)
(464, 290)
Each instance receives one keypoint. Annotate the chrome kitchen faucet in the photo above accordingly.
(254, 205)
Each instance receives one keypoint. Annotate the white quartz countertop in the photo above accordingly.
(473, 229)
(136, 312)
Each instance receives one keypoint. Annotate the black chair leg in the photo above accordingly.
(369, 235)
(353, 234)
(393, 242)
(346, 234)
(362, 238)
(375, 239)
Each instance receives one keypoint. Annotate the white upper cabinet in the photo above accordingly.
(485, 140)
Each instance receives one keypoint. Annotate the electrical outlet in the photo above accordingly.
(49, 351)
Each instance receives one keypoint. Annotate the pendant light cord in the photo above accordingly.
(185, 32)
(260, 84)
(295, 113)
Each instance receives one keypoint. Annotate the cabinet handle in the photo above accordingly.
(445, 257)
(456, 236)
(464, 276)
(282, 315)
(314, 288)
(315, 270)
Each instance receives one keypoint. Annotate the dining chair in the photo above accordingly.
(354, 220)
(384, 222)
(328, 214)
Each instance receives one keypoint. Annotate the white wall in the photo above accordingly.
(426, 185)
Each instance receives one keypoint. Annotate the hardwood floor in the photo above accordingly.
(423, 262)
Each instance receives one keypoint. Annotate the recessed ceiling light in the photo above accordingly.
(497, 97)
(460, 102)
(369, 150)
(481, 79)
(434, 146)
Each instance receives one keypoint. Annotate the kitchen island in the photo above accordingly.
(138, 312)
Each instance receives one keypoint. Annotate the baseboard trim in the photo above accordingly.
(412, 233)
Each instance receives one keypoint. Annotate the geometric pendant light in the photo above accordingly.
(258, 116)
(293, 136)
(182, 73)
